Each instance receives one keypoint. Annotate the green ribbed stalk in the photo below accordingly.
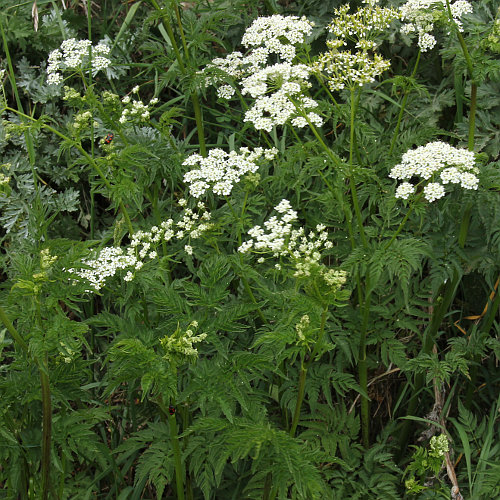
(352, 182)
(27, 133)
(174, 437)
(269, 493)
(303, 372)
(179, 479)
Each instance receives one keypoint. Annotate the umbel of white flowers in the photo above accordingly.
(303, 250)
(420, 16)
(437, 162)
(268, 74)
(143, 248)
(74, 54)
(220, 171)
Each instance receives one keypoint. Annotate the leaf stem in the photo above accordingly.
(303, 372)
(179, 480)
(363, 368)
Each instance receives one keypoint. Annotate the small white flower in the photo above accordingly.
(220, 171)
(404, 190)
(188, 249)
(225, 92)
(436, 159)
(433, 191)
(75, 54)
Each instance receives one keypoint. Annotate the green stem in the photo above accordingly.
(46, 427)
(363, 369)
(268, 492)
(179, 476)
(403, 106)
(179, 472)
(27, 133)
(403, 222)
(472, 115)
(10, 328)
(181, 29)
(352, 183)
(92, 138)
(303, 372)
(470, 70)
(300, 398)
(170, 33)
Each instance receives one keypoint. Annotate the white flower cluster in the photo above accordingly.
(135, 110)
(303, 250)
(436, 161)
(179, 346)
(278, 34)
(277, 87)
(220, 171)
(74, 54)
(142, 248)
(421, 15)
(301, 327)
(278, 90)
(365, 24)
(345, 68)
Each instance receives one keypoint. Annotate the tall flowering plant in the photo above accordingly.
(264, 259)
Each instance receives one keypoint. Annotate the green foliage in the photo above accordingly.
(197, 370)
